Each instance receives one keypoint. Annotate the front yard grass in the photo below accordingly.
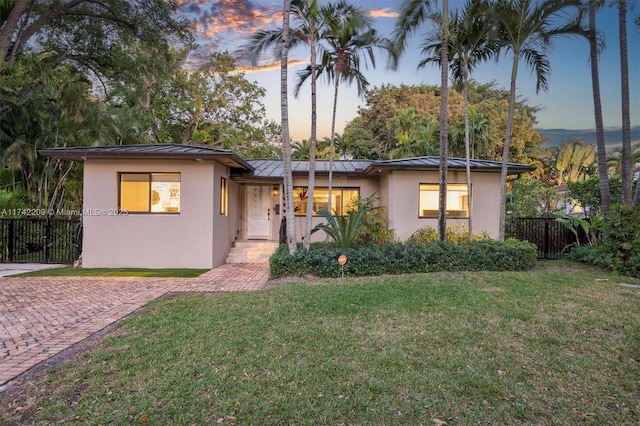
(68, 271)
(559, 344)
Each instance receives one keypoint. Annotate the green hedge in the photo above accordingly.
(404, 258)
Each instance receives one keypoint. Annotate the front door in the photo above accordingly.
(258, 213)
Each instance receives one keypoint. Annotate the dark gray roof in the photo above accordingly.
(147, 151)
(274, 169)
(431, 163)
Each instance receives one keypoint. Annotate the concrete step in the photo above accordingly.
(251, 251)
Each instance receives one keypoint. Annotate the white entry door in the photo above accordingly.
(258, 214)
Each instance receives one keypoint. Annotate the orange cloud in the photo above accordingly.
(271, 67)
(383, 13)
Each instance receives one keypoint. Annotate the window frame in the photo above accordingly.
(150, 181)
(333, 190)
(449, 215)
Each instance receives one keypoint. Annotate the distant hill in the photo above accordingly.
(612, 136)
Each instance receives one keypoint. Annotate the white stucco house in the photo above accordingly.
(185, 206)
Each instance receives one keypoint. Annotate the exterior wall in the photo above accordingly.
(149, 240)
(223, 225)
(368, 186)
(403, 198)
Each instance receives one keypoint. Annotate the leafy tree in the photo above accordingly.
(532, 198)
(416, 135)
(587, 194)
(526, 28)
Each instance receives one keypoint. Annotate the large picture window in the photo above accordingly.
(150, 192)
(457, 196)
(341, 198)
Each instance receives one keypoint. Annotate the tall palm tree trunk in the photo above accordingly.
(312, 149)
(603, 175)
(286, 142)
(467, 145)
(333, 135)
(505, 149)
(626, 120)
(444, 98)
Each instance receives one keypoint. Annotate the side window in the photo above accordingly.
(149, 192)
(224, 196)
(457, 196)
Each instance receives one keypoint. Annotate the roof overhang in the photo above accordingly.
(149, 152)
(455, 164)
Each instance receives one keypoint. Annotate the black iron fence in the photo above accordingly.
(552, 238)
(40, 240)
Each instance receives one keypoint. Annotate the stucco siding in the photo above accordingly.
(403, 188)
(148, 240)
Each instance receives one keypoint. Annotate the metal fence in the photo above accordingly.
(552, 238)
(40, 240)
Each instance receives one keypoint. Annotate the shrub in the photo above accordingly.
(619, 249)
(401, 258)
(457, 234)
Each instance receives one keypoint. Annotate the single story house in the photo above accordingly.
(185, 206)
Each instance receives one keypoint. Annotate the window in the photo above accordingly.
(341, 198)
(224, 196)
(150, 192)
(457, 196)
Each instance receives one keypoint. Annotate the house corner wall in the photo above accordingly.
(148, 240)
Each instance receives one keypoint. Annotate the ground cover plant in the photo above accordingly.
(559, 344)
(68, 271)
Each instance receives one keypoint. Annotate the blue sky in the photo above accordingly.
(566, 107)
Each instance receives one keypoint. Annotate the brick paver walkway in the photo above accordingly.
(40, 317)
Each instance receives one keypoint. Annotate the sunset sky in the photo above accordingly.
(567, 106)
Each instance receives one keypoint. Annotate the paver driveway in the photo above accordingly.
(40, 317)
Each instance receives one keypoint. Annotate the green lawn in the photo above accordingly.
(69, 271)
(556, 345)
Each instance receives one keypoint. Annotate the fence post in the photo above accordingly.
(546, 238)
(11, 243)
(47, 237)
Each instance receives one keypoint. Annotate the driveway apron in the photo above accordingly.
(42, 316)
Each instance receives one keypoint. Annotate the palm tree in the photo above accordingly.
(413, 14)
(307, 31)
(469, 45)
(351, 40)
(626, 119)
(526, 28)
(416, 134)
(594, 48)
(286, 141)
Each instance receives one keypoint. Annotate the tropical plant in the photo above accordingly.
(346, 229)
(416, 134)
(591, 228)
(574, 161)
(526, 28)
(375, 227)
